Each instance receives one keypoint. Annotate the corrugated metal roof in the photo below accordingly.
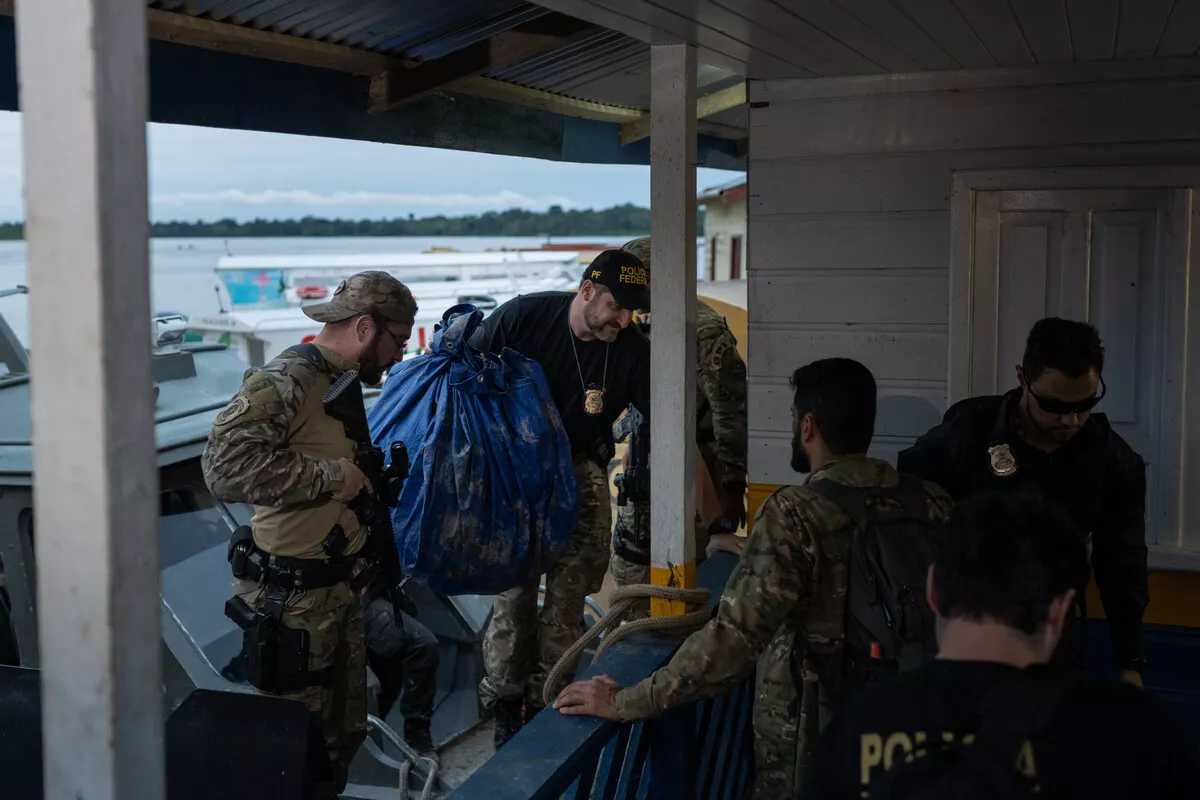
(599, 65)
(412, 28)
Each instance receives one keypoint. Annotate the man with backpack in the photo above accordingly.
(988, 719)
(815, 614)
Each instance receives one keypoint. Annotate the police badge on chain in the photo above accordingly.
(1003, 462)
(593, 400)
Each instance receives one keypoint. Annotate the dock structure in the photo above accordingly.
(923, 183)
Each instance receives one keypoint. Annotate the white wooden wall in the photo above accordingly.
(849, 216)
(725, 221)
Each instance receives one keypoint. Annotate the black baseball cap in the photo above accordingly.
(623, 274)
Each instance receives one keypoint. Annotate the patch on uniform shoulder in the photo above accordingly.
(736, 369)
(239, 406)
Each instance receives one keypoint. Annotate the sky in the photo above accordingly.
(208, 173)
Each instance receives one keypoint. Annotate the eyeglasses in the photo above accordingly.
(1062, 408)
(395, 337)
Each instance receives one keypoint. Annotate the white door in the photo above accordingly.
(1102, 256)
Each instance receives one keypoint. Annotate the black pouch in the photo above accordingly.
(241, 545)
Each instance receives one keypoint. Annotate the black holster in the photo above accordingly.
(276, 655)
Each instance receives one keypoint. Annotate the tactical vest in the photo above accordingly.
(298, 530)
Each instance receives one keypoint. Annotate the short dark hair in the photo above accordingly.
(1073, 348)
(840, 394)
(1005, 557)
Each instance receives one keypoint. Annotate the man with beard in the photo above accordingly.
(595, 366)
(1043, 438)
(274, 447)
(785, 603)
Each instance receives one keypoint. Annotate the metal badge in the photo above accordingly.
(593, 401)
(1002, 460)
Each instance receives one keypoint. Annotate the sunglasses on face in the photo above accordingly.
(1062, 408)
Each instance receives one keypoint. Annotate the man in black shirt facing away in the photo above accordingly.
(1042, 437)
(596, 365)
(1002, 588)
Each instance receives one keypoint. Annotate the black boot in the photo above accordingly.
(508, 721)
(420, 738)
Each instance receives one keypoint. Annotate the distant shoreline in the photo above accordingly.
(555, 223)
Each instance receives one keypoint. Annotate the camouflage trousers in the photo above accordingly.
(627, 573)
(521, 647)
(782, 731)
(333, 617)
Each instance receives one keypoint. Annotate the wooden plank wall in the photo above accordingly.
(849, 220)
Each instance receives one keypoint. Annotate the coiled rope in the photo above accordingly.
(623, 599)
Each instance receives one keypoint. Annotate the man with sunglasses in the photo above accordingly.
(1043, 438)
(273, 446)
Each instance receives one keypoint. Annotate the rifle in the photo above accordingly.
(633, 485)
(344, 403)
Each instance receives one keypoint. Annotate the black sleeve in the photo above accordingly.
(1119, 556)
(498, 328)
(932, 458)
(1178, 754)
(639, 382)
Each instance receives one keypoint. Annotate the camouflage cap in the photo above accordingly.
(374, 293)
(640, 248)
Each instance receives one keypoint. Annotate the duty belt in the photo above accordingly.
(251, 563)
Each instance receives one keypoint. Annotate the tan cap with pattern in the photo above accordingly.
(373, 293)
(640, 248)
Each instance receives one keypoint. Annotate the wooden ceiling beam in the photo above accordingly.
(398, 84)
(706, 106)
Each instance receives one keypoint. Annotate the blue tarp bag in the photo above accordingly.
(491, 496)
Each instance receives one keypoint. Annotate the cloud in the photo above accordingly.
(503, 199)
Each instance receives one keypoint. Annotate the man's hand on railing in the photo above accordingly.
(596, 697)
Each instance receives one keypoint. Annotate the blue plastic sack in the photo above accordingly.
(491, 496)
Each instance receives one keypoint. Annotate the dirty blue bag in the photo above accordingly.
(491, 495)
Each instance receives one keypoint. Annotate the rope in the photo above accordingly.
(623, 599)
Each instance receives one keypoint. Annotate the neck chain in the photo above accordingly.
(593, 395)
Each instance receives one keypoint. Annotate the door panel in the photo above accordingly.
(1095, 255)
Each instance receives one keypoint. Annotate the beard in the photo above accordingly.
(605, 332)
(800, 462)
(370, 372)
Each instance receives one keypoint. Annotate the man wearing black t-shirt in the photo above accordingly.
(1002, 588)
(596, 365)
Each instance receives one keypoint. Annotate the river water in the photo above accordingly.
(181, 270)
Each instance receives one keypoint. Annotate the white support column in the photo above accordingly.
(673, 310)
(84, 101)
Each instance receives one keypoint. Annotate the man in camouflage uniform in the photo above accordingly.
(787, 592)
(721, 437)
(274, 447)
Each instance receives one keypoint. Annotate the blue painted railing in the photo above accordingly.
(702, 750)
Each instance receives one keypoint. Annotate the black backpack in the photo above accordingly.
(986, 768)
(889, 625)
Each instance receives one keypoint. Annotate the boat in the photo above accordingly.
(261, 298)
(201, 647)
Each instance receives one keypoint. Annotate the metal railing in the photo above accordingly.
(702, 750)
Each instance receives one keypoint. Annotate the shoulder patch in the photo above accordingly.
(239, 406)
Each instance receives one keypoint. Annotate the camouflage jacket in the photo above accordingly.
(272, 446)
(720, 423)
(720, 399)
(788, 586)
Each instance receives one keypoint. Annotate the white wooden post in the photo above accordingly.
(84, 102)
(673, 310)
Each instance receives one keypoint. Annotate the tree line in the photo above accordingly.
(621, 220)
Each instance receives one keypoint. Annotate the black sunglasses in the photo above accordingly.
(1062, 408)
